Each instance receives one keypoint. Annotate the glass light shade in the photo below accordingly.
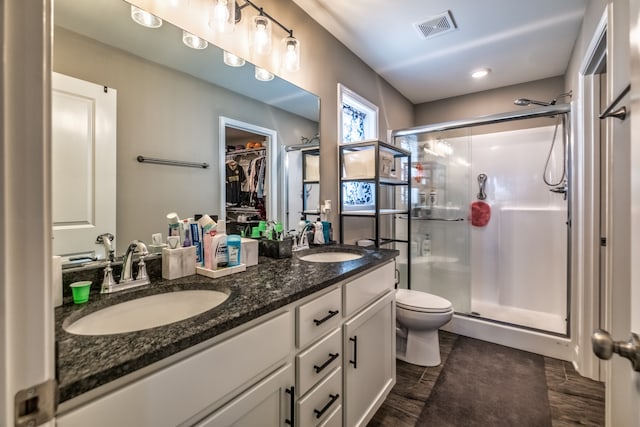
(192, 41)
(222, 15)
(144, 18)
(291, 54)
(232, 60)
(263, 75)
(261, 35)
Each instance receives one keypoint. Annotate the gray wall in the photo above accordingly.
(166, 114)
(493, 101)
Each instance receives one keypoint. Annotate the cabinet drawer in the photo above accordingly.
(318, 316)
(319, 403)
(363, 290)
(317, 361)
(333, 420)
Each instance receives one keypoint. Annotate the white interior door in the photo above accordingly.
(83, 165)
(634, 383)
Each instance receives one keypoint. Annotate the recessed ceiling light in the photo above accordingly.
(480, 73)
(144, 18)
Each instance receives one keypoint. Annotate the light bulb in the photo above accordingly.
(291, 54)
(261, 35)
(220, 16)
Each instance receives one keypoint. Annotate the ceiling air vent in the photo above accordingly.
(436, 25)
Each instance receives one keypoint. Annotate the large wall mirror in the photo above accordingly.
(170, 101)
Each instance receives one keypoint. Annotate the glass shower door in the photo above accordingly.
(439, 241)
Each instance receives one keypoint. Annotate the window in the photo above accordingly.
(358, 118)
(358, 122)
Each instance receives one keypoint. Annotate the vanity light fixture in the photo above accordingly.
(261, 28)
(291, 60)
(480, 73)
(232, 60)
(193, 41)
(222, 15)
(261, 35)
(144, 18)
(263, 75)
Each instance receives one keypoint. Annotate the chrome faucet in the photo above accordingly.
(126, 279)
(302, 240)
(106, 239)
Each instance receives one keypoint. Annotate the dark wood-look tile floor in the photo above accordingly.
(574, 400)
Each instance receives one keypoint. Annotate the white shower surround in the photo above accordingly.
(517, 264)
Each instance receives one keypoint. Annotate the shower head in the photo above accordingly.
(524, 102)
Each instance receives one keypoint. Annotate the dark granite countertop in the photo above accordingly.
(87, 362)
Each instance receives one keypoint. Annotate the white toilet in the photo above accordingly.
(419, 315)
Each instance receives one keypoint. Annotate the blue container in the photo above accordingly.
(234, 249)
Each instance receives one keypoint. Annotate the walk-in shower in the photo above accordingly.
(511, 271)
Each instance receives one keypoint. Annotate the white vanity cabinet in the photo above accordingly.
(345, 366)
(369, 360)
(326, 360)
(268, 403)
(191, 389)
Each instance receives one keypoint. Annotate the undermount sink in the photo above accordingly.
(333, 256)
(147, 312)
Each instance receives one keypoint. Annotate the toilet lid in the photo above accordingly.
(421, 301)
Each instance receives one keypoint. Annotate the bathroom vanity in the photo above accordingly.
(296, 343)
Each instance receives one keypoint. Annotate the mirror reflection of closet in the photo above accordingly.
(248, 193)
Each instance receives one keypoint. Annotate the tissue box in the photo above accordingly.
(276, 248)
(178, 262)
(249, 251)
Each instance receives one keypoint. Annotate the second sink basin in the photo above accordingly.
(333, 256)
(147, 312)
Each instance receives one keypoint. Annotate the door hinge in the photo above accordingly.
(36, 405)
(603, 241)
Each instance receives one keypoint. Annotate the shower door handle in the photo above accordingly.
(604, 347)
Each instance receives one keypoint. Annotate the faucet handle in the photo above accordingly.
(142, 269)
(107, 281)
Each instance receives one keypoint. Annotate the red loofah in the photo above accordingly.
(480, 213)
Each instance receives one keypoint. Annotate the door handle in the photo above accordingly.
(604, 347)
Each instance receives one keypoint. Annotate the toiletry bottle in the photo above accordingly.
(174, 224)
(196, 240)
(426, 245)
(219, 246)
(186, 242)
(318, 235)
(234, 247)
(208, 254)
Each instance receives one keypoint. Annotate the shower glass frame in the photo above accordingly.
(407, 137)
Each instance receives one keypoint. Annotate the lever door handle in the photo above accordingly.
(604, 347)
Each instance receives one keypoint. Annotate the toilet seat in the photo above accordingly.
(422, 302)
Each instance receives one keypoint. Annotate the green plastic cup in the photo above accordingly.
(80, 291)
(255, 232)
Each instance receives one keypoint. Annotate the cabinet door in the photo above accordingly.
(369, 361)
(269, 403)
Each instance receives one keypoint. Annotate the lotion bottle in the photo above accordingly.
(219, 246)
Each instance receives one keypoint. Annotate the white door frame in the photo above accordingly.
(273, 208)
(27, 356)
(586, 208)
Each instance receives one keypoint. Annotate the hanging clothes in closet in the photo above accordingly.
(253, 189)
(235, 177)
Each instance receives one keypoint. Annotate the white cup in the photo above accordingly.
(173, 241)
